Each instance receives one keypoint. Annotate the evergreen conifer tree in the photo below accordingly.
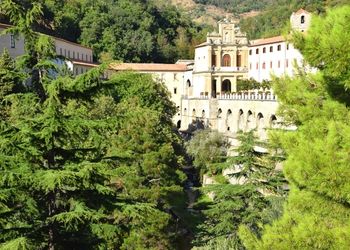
(317, 214)
(83, 163)
(246, 202)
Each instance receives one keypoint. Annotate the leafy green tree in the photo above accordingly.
(316, 215)
(85, 163)
(246, 202)
(209, 150)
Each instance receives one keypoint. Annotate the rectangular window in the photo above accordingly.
(13, 41)
(86, 57)
(279, 64)
(76, 71)
(263, 65)
(175, 90)
(271, 65)
(81, 71)
(257, 51)
(271, 49)
(250, 52)
(250, 66)
(213, 60)
(279, 47)
(73, 54)
(264, 50)
(68, 53)
(286, 63)
(78, 57)
(257, 65)
(65, 52)
(287, 46)
(61, 52)
(90, 59)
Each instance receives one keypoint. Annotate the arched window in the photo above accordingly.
(178, 125)
(271, 49)
(226, 86)
(279, 47)
(273, 121)
(194, 113)
(250, 118)
(226, 62)
(240, 121)
(260, 120)
(264, 50)
(264, 65)
(229, 119)
(257, 51)
(203, 113)
(302, 19)
(219, 113)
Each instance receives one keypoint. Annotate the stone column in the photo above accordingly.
(234, 58)
(218, 84)
(234, 84)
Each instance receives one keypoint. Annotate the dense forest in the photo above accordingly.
(129, 31)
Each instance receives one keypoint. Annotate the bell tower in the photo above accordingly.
(300, 20)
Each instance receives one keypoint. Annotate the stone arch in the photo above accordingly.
(178, 124)
(189, 87)
(240, 121)
(229, 120)
(219, 113)
(250, 121)
(273, 121)
(226, 60)
(260, 121)
(226, 86)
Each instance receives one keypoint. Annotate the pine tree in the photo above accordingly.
(246, 202)
(84, 164)
(317, 214)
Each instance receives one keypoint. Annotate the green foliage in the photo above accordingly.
(236, 6)
(209, 150)
(251, 84)
(316, 215)
(275, 15)
(252, 202)
(334, 45)
(84, 163)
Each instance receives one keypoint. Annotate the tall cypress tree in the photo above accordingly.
(317, 214)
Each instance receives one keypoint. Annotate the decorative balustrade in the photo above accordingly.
(260, 96)
(264, 96)
(228, 69)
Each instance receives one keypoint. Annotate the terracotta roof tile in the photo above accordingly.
(5, 26)
(148, 67)
(300, 11)
(275, 39)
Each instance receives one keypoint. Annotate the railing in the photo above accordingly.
(264, 96)
(229, 69)
(248, 96)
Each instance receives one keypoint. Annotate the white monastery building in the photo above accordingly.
(205, 89)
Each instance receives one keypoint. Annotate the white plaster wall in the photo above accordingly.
(5, 42)
(282, 61)
(73, 51)
(201, 60)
